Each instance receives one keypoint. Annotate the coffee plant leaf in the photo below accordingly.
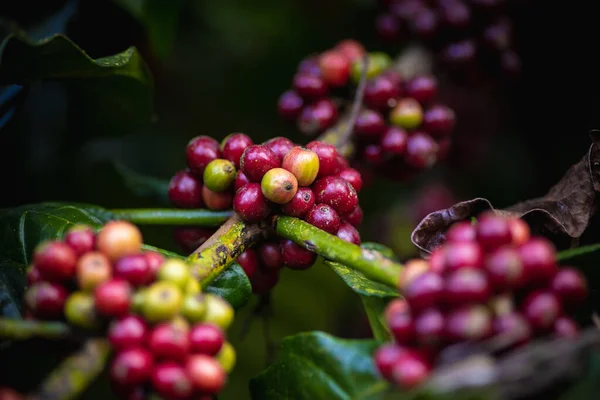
(233, 285)
(360, 283)
(143, 185)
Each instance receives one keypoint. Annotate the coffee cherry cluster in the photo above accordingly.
(489, 278)
(401, 129)
(313, 183)
(167, 335)
(462, 32)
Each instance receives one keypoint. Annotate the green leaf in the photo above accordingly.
(315, 365)
(361, 284)
(374, 308)
(114, 93)
(233, 285)
(12, 287)
(578, 251)
(143, 185)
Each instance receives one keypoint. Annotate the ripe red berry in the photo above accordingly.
(541, 308)
(402, 327)
(250, 203)
(512, 325)
(301, 203)
(206, 374)
(216, 200)
(421, 151)
(459, 53)
(397, 305)
(565, 327)
(206, 339)
(570, 286)
(118, 239)
(55, 260)
(317, 117)
(422, 88)
(46, 300)
(370, 124)
(437, 260)
(92, 269)
(279, 186)
(412, 269)
(199, 152)
(381, 92)
(425, 23)
(240, 180)
(463, 231)
(387, 26)
(467, 285)
(257, 160)
(327, 154)
(538, 258)
(430, 327)
(189, 239)
(335, 68)
(386, 357)
(324, 217)
(519, 231)
(131, 367)
(309, 86)
(309, 65)
(169, 341)
(493, 232)
(463, 254)
(134, 269)
(471, 322)
(337, 193)
(171, 381)
(439, 121)
(154, 260)
(348, 233)
(290, 105)
(505, 270)
(410, 370)
(264, 280)
(355, 217)
(303, 163)
(234, 146)
(128, 332)
(248, 260)
(185, 190)
(269, 254)
(351, 49)
(279, 145)
(394, 141)
(81, 238)
(296, 257)
(33, 276)
(112, 298)
(426, 290)
(353, 177)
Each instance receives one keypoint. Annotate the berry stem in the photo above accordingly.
(18, 329)
(170, 216)
(223, 247)
(371, 263)
(374, 307)
(71, 378)
(356, 106)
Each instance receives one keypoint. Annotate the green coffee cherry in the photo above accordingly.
(218, 311)
(137, 301)
(219, 175)
(226, 357)
(175, 271)
(194, 307)
(162, 301)
(378, 62)
(407, 114)
(80, 311)
(192, 286)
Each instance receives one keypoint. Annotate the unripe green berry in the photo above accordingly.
(226, 357)
(192, 287)
(218, 311)
(162, 301)
(194, 307)
(378, 62)
(175, 271)
(80, 310)
(138, 299)
(303, 163)
(279, 185)
(219, 175)
(407, 114)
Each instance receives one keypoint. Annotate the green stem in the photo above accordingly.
(172, 216)
(18, 329)
(223, 247)
(370, 262)
(70, 379)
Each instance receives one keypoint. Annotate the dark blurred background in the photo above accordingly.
(219, 67)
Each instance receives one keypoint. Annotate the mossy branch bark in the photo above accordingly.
(18, 329)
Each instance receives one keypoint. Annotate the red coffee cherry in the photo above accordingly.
(127, 332)
(233, 147)
(290, 105)
(570, 286)
(353, 177)
(269, 254)
(131, 367)
(355, 217)
(386, 357)
(327, 154)
(206, 339)
(55, 260)
(348, 233)
(248, 260)
(118, 239)
(185, 190)
(337, 193)
(113, 298)
(171, 381)
(324, 217)
(296, 257)
(317, 117)
(279, 145)
(81, 238)
(303, 164)
(134, 269)
(301, 203)
(538, 258)
(541, 308)
(217, 200)
(199, 152)
(425, 291)
(257, 160)
(250, 203)
(169, 341)
(335, 68)
(46, 300)
(206, 374)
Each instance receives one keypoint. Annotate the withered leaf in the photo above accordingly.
(564, 212)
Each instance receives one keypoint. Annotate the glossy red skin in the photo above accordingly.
(46, 300)
(380, 92)
(387, 27)
(351, 49)
(513, 323)
(348, 233)
(154, 260)
(541, 308)
(402, 326)
(386, 357)
(373, 154)
(337, 193)
(56, 261)
(296, 257)
(519, 230)
(570, 286)
(264, 280)
(171, 381)
(240, 180)
(257, 160)
(328, 164)
(463, 231)
(289, 105)
(217, 200)
(189, 238)
(352, 176)
(355, 217)
(538, 258)
(565, 327)
(422, 88)
(113, 298)
(370, 124)
(250, 203)
(269, 254)
(470, 322)
(33, 276)
(131, 367)
(439, 121)
(168, 341)
(279, 145)
(505, 270)
(185, 190)
(425, 291)
(421, 151)
(128, 332)
(335, 68)
(81, 239)
(493, 232)
(234, 147)
(394, 141)
(301, 203)
(134, 269)
(199, 152)
(324, 217)
(410, 370)
(430, 327)
(317, 117)
(207, 375)
(463, 254)
(249, 262)
(309, 86)
(467, 285)
(206, 339)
